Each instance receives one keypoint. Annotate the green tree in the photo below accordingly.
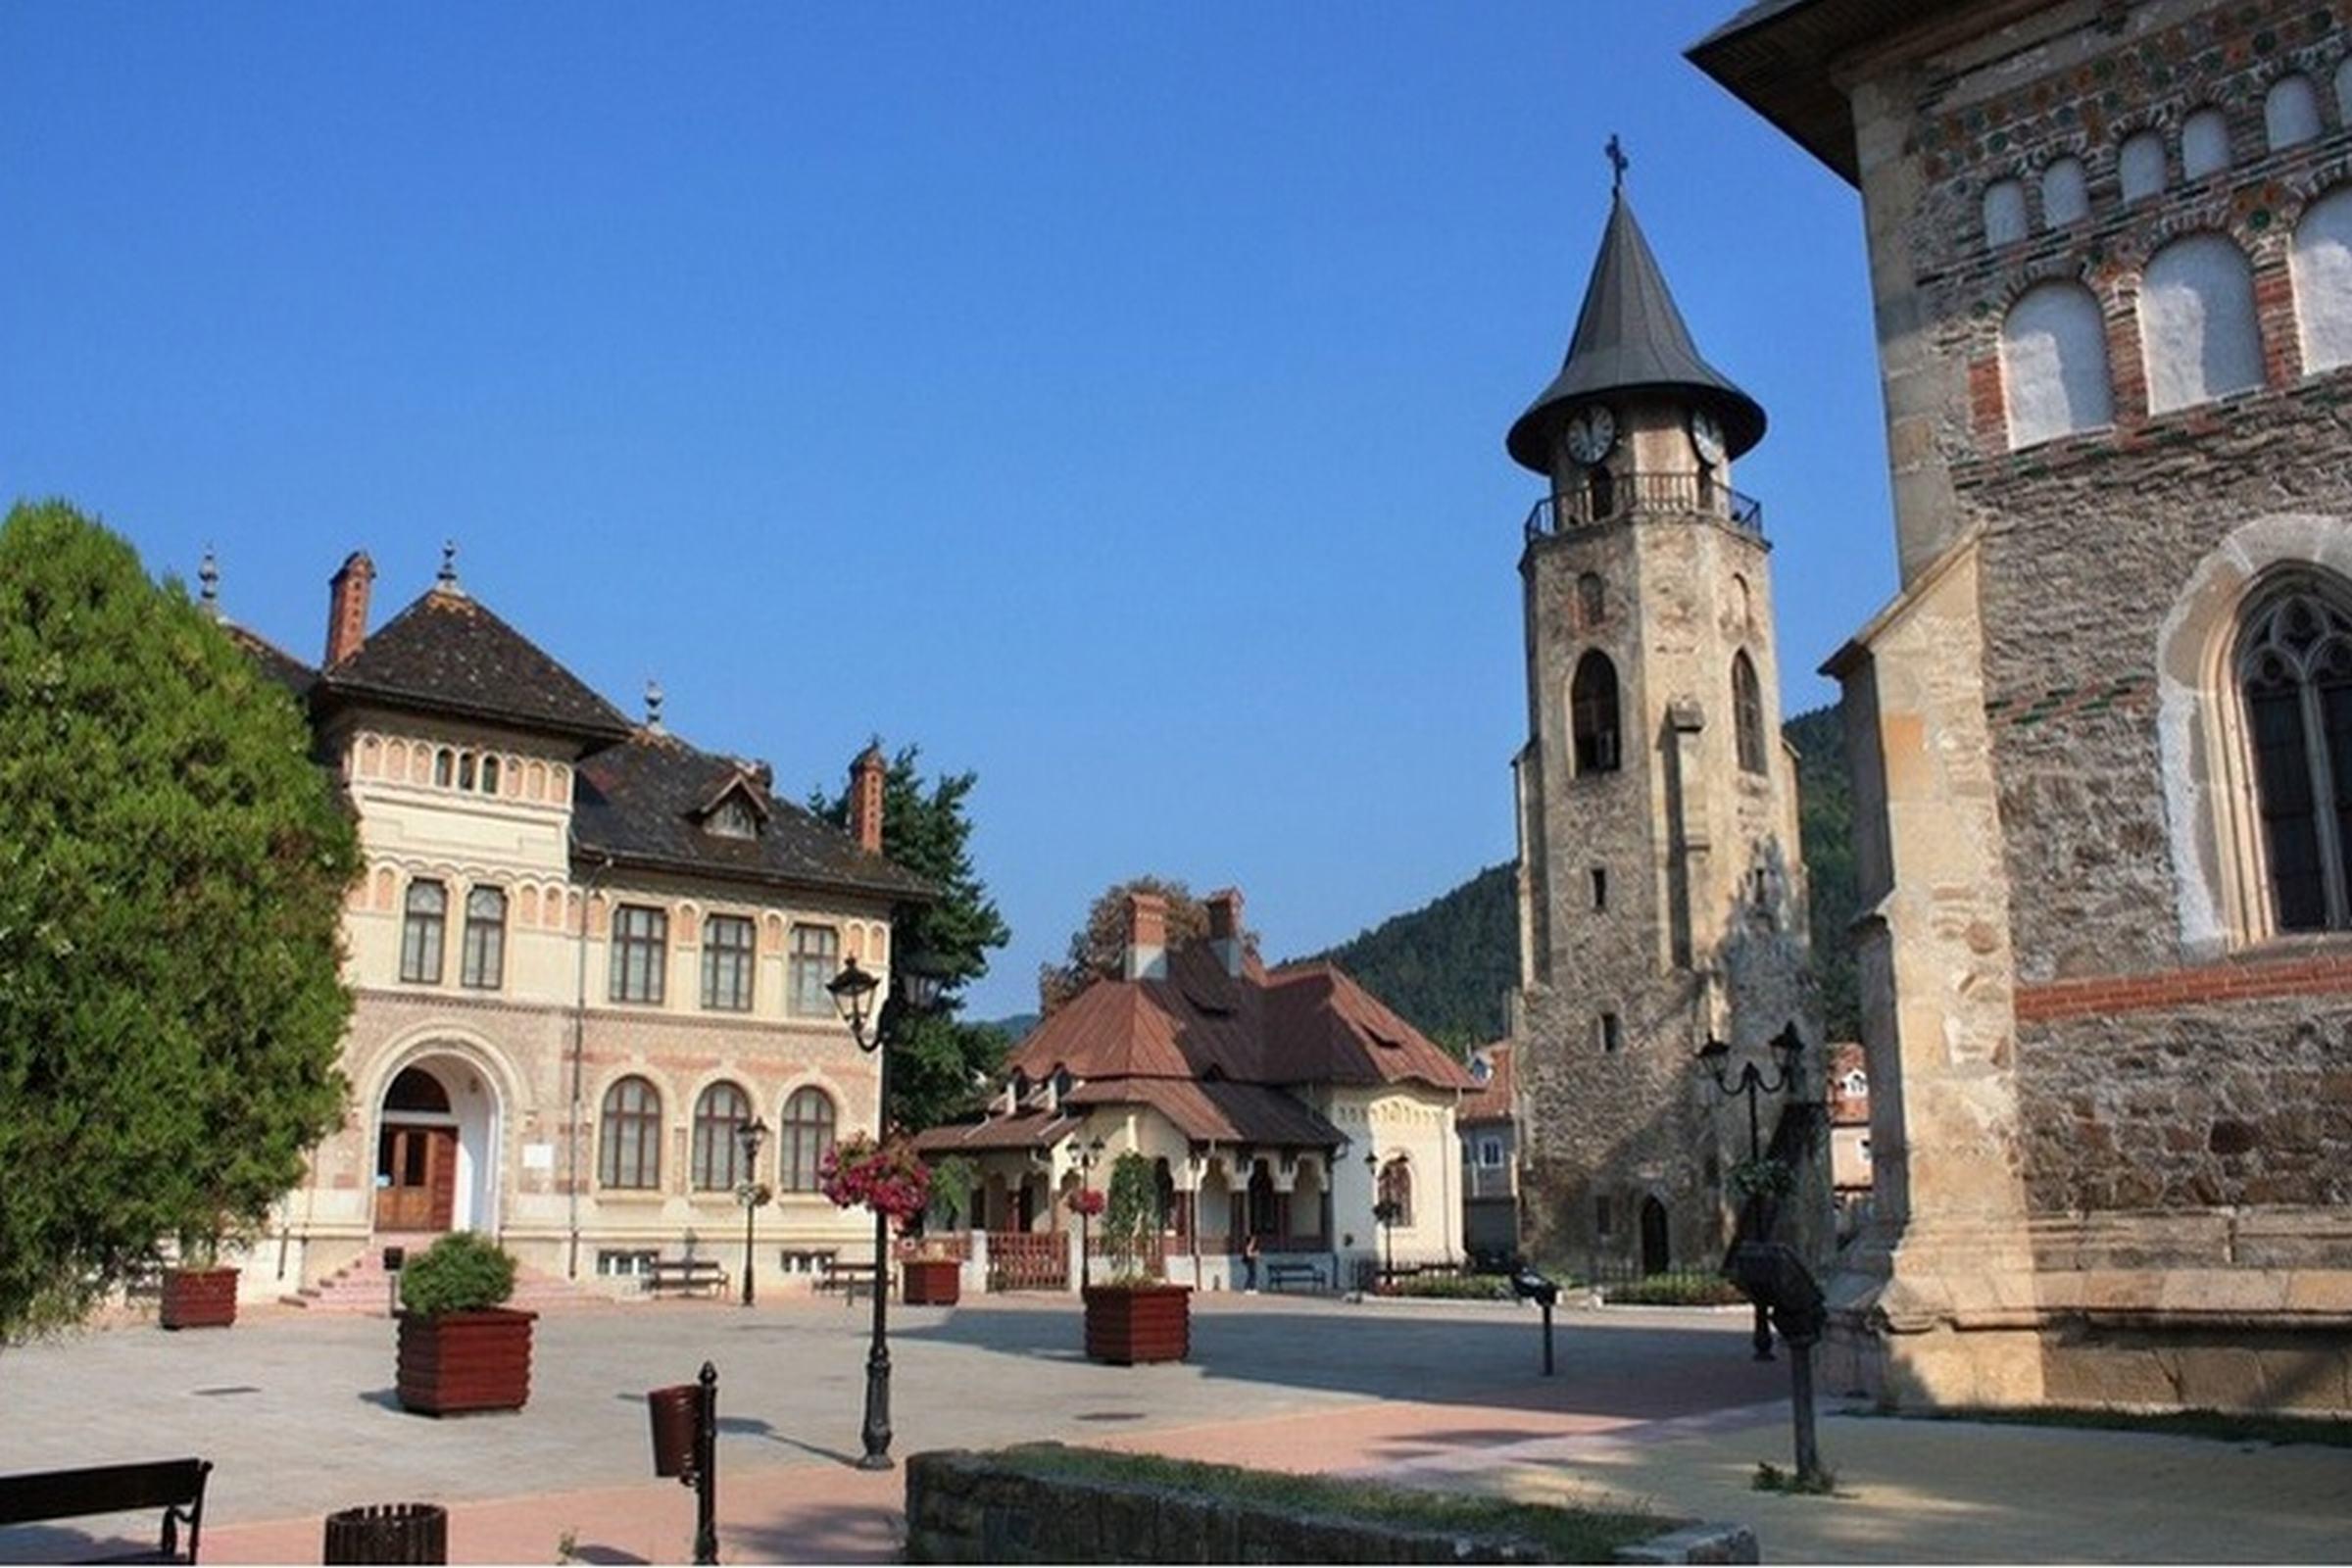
(938, 1062)
(1444, 966)
(1825, 801)
(1097, 949)
(173, 866)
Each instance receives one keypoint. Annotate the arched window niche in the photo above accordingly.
(2292, 670)
(2196, 323)
(2054, 374)
(2004, 213)
(2065, 194)
(1747, 714)
(2321, 265)
(1593, 714)
(2290, 113)
(2204, 144)
(2139, 166)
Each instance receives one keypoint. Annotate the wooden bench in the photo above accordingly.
(175, 1485)
(686, 1276)
(1278, 1273)
(847, 1278)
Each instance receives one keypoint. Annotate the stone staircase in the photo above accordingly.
(365, 1289)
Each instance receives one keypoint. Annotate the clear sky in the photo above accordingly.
(1109, 398)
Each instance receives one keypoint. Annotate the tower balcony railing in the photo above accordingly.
(1615, 497)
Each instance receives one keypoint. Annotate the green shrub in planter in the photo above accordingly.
(462, 1272)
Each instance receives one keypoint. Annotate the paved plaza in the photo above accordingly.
(1658, 1406)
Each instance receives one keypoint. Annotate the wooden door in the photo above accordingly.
(417, 1170)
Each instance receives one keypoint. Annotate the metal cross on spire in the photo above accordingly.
(1618, 162)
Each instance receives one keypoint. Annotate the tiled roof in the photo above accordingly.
(644, 803)
(448, 653)
(1027, 1129)
(1218, 1111)
(1492, 1101)
(1322, 1027)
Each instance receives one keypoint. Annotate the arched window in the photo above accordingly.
(1592, 601)
(2054, 364)
(629, 1152)
(482, 963)
(1747, 713)
(2344, 90)
(466, 770)
(719, 1117)
(2294, 671)
(415, 1089)
(2204, 144)
(2321, 264)
(489, 776)
(807, 1133)
(2290, 113)
(2004, 212)
(1592, 714)
(1397, 1188)
(2065, 194)
(445, 766)
(2196, 323)
(421, 932)
(2139, 166)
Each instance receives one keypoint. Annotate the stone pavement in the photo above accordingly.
(1663, 1406)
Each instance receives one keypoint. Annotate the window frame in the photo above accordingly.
(742, 957)
(1748, 714)
(716, 1148)
(1596, 718)
(482, 942)
(627, 949)
(628, 1140)
(804, 993)
(794, 1129)
(2328, 797)
(417, 926)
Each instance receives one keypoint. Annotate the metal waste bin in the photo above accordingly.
(388, 1532)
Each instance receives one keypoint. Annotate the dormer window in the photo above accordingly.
(734, 819)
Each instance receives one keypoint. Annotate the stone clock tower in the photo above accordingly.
(1661, 896)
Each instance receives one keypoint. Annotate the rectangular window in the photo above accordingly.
(482, 963)
(640, 952)
(1490, 1152)
(727, 963)
(625, 1265)
(815, 959)
(1612, 1034)
(421, 933)
(1600, 889)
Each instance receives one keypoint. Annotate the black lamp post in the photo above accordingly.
(1088, 1154)
(749, 1136)
(1385, 1212)
(919, 981)
(1715, 1055)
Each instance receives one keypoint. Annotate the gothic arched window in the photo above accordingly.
(1592, 714)
(2054, 365)
(2196, 323)
(2294, 672)
(719, 1117)
(1747, 713)
(2321, 264)
(629, 1150)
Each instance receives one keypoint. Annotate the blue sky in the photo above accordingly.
(1109, 398)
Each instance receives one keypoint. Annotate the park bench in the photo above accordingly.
(847, 1278)
(686, 1276)
(175, 1485)
(1278, 1274)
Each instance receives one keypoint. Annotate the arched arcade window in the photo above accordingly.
(719, 1117)
(2290, 113)
(2139, 166)
(2321, 264)
(2054, 365)
(2204, 144)
(2294, 673)
(1747, 713)
(1593, 714)
(2004, 212)
(2197, 324)
(2065, 194)
(803, 1139)
(629, 1150)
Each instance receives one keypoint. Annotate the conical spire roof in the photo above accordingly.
(1630, 337)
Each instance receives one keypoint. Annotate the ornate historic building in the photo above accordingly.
(584, 953)
(2102, 738)
(1661, 898)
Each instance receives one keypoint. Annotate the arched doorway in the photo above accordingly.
(436, 1130)
(1262, 1217)
(1654, 1250)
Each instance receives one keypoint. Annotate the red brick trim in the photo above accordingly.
(2238, 980)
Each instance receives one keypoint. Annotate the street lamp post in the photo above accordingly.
(919, 982)
(749, 1136)
(1383, 1212)
(1715, 1055)
(1087, 1155)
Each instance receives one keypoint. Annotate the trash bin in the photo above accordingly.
(388, 1532)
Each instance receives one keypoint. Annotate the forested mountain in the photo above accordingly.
(1446, 965)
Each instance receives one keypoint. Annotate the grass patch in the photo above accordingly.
(1452, 1286)
(1677, 1289)
(2219, 1426)
(1566, 1534)
(1771, 1477)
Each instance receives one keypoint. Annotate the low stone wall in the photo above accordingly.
(962, 1507)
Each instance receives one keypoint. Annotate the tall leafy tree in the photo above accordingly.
(1097, 949)
(173, 866)
(938, 1062)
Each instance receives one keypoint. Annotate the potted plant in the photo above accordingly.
(1135, 1317)
(891, 1179)
(460, 1350)
(199, 1291)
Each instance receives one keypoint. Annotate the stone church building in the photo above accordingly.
(584, 955)
(2102, 737)
(1661, 895)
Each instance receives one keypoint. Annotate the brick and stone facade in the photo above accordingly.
(2111, 1095)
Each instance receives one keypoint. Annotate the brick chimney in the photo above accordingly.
(1225, 927)
(347, 607)
(865, 799)
(1147, 937)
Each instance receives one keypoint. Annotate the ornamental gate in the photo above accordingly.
(1028, 1260)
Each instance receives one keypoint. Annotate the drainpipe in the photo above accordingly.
(579, 1030)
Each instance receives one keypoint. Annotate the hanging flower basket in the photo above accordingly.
(888, 1178)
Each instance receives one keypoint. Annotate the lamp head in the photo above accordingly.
(922, 976)
(854, 993)
(1714, 1054)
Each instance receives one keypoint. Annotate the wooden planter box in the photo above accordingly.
(458, 1362)
(199, 1297)
(1130, 1323)
(931, 1282)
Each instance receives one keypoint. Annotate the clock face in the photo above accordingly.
(1590, 434)
(1706, 436)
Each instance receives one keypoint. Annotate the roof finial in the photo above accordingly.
(207, 573)
(1618, 164)
(653, 704)
(446, 578)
